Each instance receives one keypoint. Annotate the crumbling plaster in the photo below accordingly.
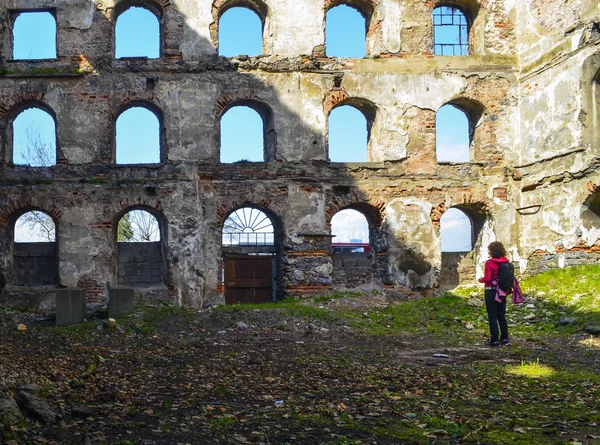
(534, 142)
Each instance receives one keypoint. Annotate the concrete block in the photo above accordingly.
(120, 301)
(70, 306)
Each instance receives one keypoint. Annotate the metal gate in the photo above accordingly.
(248, 279)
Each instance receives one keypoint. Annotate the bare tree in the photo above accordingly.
(35, 227)
(36, 150)
(142, 227)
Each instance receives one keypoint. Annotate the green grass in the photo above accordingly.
(575, 289)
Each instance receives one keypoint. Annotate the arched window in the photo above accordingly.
(348, 135)
(138, 137)
(35, 250)
(137, 34)
(590, 212)
(450, 32)
(345, 32)
(248, 226)
(140, 249)
(34, 138)
(34, 36)
(452, 135)
(247, 133)
(250, 257)
(138, 226)
(350, 230)
(456, 230)
(240, 33)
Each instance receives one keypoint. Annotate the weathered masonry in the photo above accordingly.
(525, 74)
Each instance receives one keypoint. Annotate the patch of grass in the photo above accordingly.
(335, 295)
(532, 369)
(574, 289)
(77, 332)
(444, 316)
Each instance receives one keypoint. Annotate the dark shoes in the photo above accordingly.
(506, 342)
(497, 344)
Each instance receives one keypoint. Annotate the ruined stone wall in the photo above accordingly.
(527, 107)
(560, 148)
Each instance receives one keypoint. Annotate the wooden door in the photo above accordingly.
(248, 279)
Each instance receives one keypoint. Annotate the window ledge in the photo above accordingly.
(49, 59)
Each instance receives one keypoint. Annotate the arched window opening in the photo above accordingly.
(348, 135)
(137, 34)
(140, 250)
(35, 250)
(350, 230)
(590, 212)
(251, 257)
(450, 32)
(452, 135)
(242, 135)
(138, 226)
(138, 137)
(248, 226)
(456, 230)
(240, 33)
(34, 138)
(345, 32)
(34, 36)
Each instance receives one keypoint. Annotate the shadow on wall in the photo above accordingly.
(192, 192)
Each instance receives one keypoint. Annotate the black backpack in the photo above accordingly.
(506, 276)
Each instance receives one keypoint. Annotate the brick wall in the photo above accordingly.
(36, 264)
(140, 264)
(352, 269)
(457, 268)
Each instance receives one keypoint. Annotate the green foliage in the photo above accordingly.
(124, 229)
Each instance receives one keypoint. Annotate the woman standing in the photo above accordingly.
(496, 310)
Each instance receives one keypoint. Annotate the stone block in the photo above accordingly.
(120, 301)
(70, 306)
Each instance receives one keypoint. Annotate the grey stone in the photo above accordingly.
(36, 407)
(9, 412)
(242, 326)
(593, 330)
(564, 320)
(529, 317)
(70, 306)
(120, 301)
(477, 302)
(81, 411)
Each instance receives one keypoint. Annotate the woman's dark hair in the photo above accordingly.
(497, 249)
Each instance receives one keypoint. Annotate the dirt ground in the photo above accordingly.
(274, 376)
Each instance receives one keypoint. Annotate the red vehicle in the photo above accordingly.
(350, 247)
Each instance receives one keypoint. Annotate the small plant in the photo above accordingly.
(532, 369)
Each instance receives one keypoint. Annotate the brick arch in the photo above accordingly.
(19, 102)
(219, 7)
(338, 97)
(144, 100)
(19, 207)
(157, 7)
(153, 207)
(473, 109)
(373, 211)
(365, 7)
(468, 7)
